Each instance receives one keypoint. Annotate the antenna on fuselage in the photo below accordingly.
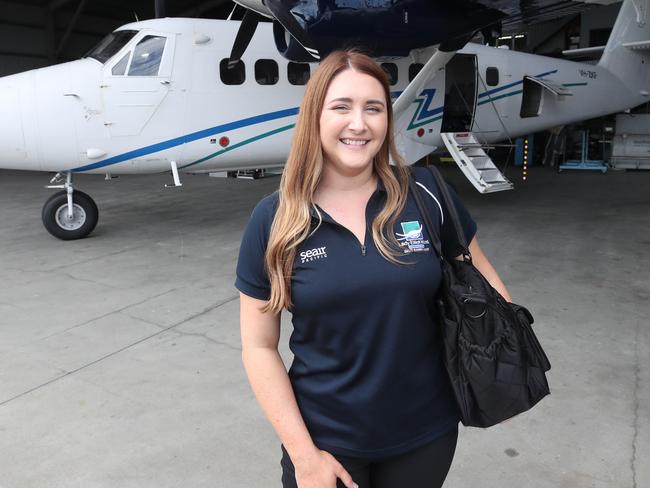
(232, 12)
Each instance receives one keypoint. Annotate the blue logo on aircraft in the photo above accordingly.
(424, 114)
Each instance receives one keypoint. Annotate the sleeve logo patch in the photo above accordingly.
(411, 239)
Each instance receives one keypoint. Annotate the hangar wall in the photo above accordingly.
(30, 36)
(591, 21)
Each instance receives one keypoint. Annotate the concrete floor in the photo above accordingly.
(120, 356)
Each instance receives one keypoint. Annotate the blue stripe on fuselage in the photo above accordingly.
(177, 141)
(510, 85)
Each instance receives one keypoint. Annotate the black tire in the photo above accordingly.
(85, 215)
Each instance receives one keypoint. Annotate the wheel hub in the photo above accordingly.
(68, 222)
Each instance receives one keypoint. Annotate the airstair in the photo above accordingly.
(474, 162)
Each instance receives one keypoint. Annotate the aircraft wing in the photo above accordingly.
(308, 31)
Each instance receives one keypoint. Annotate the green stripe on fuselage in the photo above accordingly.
(239, 144)
(492, 99)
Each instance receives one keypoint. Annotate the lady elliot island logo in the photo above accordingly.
(411, 239)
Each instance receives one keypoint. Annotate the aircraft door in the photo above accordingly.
(460, 93)
(136, 82)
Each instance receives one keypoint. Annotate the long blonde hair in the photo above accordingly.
(302, 173)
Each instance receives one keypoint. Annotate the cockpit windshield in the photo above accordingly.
(110, 45)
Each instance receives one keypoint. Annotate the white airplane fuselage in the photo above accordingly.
(80, 117)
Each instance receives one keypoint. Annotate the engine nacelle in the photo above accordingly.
(287, 45)
(305, 31)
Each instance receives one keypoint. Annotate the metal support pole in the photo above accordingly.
(71, 26)
(50, 33)
(160, 9)
(177, 180)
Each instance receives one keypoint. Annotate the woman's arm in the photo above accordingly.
(483, 265)
(260, 334)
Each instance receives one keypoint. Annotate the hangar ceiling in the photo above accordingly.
(36, 33)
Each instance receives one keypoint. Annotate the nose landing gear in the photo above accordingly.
(69, 214)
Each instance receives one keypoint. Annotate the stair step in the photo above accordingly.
(471, 145)
(475, 163)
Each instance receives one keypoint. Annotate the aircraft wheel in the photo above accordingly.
(59, 224)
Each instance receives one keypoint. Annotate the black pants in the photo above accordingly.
(424, 467)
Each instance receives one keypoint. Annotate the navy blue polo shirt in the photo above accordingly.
(367, 370)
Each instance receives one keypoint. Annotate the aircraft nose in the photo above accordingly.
(12, 136)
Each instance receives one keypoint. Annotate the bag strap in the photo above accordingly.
(451, 210)
(433, 236)
(449, 205)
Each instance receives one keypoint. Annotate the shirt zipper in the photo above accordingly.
(363, 246)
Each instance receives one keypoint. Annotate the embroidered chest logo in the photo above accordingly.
(313, 254)
(412, 239)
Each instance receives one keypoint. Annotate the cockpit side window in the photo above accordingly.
(110, 45)
(147, 56)
(120, 68)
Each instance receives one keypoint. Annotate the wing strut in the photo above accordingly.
(436, 62)
(409, 148)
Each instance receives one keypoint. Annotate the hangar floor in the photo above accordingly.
(120, 357)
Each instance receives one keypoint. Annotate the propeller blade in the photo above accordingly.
(292, 26)
(244, 36)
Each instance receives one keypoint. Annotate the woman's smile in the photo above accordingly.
(354, 142)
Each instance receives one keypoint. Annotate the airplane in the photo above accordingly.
(163, 95)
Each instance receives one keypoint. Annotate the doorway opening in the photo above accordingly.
(460, 94)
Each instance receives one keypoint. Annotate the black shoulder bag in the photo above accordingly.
(494, 361)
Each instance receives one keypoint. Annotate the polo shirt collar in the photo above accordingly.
(380, 189)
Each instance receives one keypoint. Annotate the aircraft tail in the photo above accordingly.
(627, 53)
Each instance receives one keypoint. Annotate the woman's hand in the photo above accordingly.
(321, 471)
(481, 263)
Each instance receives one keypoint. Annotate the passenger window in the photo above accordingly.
(391, 71)
(232, 76)
(492, 76)
(266, 72)
(120, 68)
(414, 69)
(147, 56)
(298, 73)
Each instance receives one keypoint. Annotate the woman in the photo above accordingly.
(366, 402)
